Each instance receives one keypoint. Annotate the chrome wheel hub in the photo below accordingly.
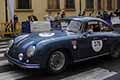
(57, 61)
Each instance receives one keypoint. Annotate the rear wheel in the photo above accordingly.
(57, 62)
(115, 52)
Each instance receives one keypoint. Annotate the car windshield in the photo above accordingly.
(74, 26)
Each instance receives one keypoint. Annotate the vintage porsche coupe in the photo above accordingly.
(85, 38)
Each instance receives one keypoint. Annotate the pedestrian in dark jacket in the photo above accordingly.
(117, 12)
(106, 17)
(110, 17)
(63, 14)
(84, 13)
(16, 20)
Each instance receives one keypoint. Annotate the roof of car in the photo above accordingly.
(87, 18)
(72, 17)
(82, 18)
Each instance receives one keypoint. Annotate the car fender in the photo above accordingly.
(46, 49)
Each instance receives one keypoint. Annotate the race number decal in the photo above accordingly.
(97, 45)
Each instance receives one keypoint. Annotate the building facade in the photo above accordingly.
(40, 8)
(2, 11)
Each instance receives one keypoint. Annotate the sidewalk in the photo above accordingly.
(4, 43)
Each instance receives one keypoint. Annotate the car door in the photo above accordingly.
(99, 39)
(106, 36)
(90, 43)
(85, 43)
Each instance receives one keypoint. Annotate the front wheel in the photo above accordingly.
(57, 62)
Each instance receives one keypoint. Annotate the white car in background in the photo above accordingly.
(116, 23)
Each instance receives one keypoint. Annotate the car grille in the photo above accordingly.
(13, 52)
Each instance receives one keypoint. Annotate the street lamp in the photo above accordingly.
(6, 11)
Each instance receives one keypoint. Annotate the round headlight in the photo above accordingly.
(20, 56)
(30, 51)
(10, 43)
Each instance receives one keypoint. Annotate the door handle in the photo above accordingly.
(95, 38)
(105, 39)
(102, 39)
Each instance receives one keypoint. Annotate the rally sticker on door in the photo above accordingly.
(97, 45)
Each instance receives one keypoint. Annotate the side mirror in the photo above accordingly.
(89, 32)
(85, 34)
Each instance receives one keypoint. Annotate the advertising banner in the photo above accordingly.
(11, 9)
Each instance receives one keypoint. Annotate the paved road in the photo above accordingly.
(103, 68)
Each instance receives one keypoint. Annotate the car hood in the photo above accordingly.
(34, 38)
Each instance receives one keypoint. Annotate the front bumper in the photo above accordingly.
(21, 64)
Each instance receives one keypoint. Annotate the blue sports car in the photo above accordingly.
(85, 38)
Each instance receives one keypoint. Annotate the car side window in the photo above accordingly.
(92, 26)
(105, 27)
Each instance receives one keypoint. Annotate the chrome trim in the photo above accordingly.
(21, 42)
(75, 61)
(21, 64)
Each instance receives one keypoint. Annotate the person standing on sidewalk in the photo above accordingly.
(63, 14)
(48, 17)
(57, 21)
(16, 20)
(57, 17)
(99, 15)
(32, 18)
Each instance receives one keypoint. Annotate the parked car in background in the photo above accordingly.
(84, 38)
(116, 27)
(116, 23)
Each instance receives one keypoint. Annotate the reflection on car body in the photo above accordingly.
(55, 50)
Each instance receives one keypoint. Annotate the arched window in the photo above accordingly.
(53, 4)
(24, 4)
(70, 4)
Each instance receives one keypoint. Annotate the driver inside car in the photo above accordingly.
(90, 28)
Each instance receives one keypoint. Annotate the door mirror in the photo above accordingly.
(89, 32)
(85, 34)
